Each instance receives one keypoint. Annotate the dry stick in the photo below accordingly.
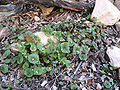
(114, 30)
(77, 68)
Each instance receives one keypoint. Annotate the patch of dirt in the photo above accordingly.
(81, 75)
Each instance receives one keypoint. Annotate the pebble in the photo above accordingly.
(36, 18)
(99, 87)
(117, 25)
(114, 56)
(84, 88)
(43, 83)
(93, 67)
(3, 32)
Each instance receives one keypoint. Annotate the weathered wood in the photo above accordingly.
(68, 4)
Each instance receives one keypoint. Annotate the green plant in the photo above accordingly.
(76, 38)
(61, 10)
(4, 68)
(109, 82)
(73, 87)
(9, 86)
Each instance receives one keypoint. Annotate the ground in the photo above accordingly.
(84, 73)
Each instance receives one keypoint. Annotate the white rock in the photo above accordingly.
(99, 87)
(117, 88)
(105, 12)
(114, 55)
(3, 32)
(44, 38)
(36, 18)
(43, 83)
(84, 88)
(93, 67)
(54, 87)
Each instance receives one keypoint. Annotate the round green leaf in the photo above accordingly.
(23, 50)
(33, 47)
(4, 68)
(28, 72)
(83, 57)
(49, 48)
(6, 53)
(33, 58)
(39, 46)
(20, 58)
(7, 60)
(70, 41)
(21, 36)
(65, 47)
(76, 49)
(107, 84)
(38, 70)
(25, 65)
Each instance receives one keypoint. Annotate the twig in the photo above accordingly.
(114, 30)
(77, 68)
(4, 49)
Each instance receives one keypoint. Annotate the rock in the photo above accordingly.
(99, 87)
(54, 87)
(3, 32)
(93, 67)
(105, 12)
(114, 55)
(117, 25)
(36, 18)
(43, 83)
(44, 38)
(117, 4)
(84, 88)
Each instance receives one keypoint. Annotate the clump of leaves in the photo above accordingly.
(105, 70)
(4, 68)
(74, 38)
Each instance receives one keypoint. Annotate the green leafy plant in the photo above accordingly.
(65, 47)
(4, 68)
(33, 58)
(76, 38)
(61, 10)
(109, 80)
(107, 84)
(8, 52)
(9, 86)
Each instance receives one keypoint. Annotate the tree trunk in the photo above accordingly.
(68, 4)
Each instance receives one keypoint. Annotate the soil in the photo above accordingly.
(84, 75)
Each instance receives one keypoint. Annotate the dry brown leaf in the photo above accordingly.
(45, 11)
